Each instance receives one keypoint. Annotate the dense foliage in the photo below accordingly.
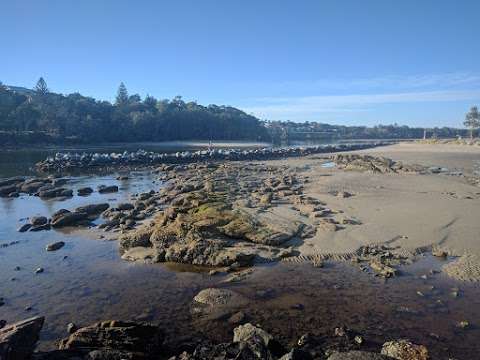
(290, 131)
(27, 115)
(39, 116)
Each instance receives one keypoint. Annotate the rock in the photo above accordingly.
(39, 270)
(245, 332)
(12, 181)
(296, 354)
(404, 350)
(32, 187)
(132, 339)
(464, 324)
(17, 341)
(69, 219)
(56, 192)
(71, 328)
(357, 355)
(439, 253)
(38, 220)
(55, 246)
(93, 209)
(7, 190)
(40, 227)
(125, 206)
(215, 297)
(24, 227)
(343, 194)
(103, 189)
(84, 191)
(237, 318)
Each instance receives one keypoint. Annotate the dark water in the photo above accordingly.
(86, 281)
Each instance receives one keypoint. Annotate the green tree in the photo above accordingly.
(472, 120)
(122, 95)
(41, 87)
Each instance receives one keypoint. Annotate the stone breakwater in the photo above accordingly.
(70, 161)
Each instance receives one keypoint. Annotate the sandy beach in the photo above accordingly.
(406, 211)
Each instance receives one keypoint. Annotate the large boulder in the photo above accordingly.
(7, 190)
(69, 219)
(93, 209)
(56, 192)
(17, 341)
(129, 338)
(12, 181)
(107, 189)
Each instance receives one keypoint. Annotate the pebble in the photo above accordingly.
(71, 328)
(39, 270)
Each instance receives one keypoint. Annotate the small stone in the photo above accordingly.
(297, 307)
(28, 308)
(55, 246)
(24, 227)
(358, 339)
(439, 253)
(340, 331)
(16, 268)
(38, 220)
(464, 324)
(237, 318)
(71, 328)
(3, 323)
(39, 270)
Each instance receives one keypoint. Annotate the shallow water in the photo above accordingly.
(86, 281)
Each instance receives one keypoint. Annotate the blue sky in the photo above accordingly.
(337, 61)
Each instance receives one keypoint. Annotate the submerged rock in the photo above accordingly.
(55, 246)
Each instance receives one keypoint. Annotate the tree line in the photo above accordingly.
(40, 115)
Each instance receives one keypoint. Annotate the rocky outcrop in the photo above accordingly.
(112, 339)
(17, 341)
(360, 162)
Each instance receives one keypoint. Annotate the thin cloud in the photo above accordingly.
(273, 107)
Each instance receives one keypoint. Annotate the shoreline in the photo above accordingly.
(379, 218)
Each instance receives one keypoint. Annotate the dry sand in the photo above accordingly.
(407, 211)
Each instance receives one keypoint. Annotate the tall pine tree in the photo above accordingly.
(122, 95)
(41, 87)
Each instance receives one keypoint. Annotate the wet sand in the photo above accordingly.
(402, 210)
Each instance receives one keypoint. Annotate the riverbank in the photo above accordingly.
(323, 233)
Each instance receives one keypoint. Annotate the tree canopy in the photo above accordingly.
(86, 120)
(472, 120)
